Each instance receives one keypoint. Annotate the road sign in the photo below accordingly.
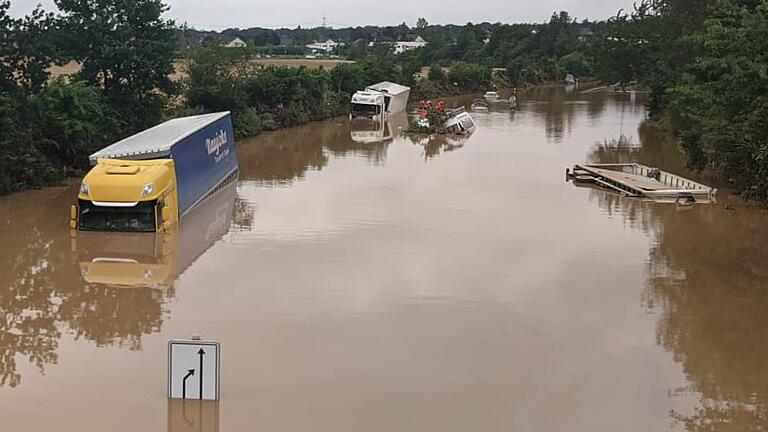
(193, 369)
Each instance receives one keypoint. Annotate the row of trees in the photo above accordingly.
(126, 53)
(269, 98)
(705, 64)
(531, 53)
(299, 36)
(703, 61)
(50, 125)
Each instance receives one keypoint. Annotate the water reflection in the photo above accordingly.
(109, 289)
(281, 157)
(708, 283)
(558, 107)
(436, 144)
(188, 415)
(364, 131)
(622, 306)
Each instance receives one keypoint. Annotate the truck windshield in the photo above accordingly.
(365, 110)
(139, 218)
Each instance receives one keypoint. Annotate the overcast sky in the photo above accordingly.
(220, 14)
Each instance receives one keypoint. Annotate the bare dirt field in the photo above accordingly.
(297, 62)
(73, 67)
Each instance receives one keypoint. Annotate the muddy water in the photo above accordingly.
(361, 280)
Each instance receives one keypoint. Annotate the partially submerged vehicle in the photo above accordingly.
(455, 121)
(149, 181)
(640, 181)
(459, 122)
(380, 100)
(479, 105)
(491, 96)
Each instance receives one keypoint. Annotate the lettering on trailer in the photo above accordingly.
(193, 370)
(215, 144)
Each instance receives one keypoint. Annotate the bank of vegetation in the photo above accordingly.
(703, 61)
(706, 65)
(127, 52)
(50, 126)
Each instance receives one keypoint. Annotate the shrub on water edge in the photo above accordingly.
(48, 136)
(247, 122)
(469, 76)
(436, 74)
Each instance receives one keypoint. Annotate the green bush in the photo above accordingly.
(576, 63)
(247, 122)
(436, 74)
(48, 136)
(469, 76)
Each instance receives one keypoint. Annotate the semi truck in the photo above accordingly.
(380, 100)
(149, 181)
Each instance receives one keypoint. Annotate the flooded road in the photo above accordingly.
(362, 280)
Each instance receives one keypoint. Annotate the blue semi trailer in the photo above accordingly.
(148, 181)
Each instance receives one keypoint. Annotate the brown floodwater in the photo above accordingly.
(360, 280)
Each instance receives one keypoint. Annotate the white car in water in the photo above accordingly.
(461, 123)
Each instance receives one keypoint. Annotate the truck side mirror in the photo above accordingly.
(166, 214)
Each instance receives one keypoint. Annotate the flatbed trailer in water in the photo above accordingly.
(640, 181)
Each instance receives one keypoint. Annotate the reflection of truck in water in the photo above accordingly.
(148, 181)
(380, 100)
(155, 259)
(378, 131)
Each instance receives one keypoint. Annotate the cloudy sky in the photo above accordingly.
(220, 14)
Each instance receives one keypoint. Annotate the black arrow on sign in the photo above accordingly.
(201, 353)
(184, 383)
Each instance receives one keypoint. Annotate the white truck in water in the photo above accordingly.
(380, 100)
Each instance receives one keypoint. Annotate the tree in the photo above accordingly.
(126, 50)
(436, 73)
(27, 49)
(421, 23)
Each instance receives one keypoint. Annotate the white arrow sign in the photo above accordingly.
(193, 370)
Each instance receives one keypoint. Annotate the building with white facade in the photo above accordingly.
(236, 43)
(403, 46)
(326, 47)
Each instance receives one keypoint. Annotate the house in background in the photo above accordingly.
(236, 43)
(403, 46)
(584, 33)
(325, 47)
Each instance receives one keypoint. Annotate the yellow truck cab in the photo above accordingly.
(149, 181)
(135, 196)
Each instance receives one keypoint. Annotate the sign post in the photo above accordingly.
(193, 369)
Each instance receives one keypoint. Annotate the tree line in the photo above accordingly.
(702, 60)
(705, 63)
(49, 126)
